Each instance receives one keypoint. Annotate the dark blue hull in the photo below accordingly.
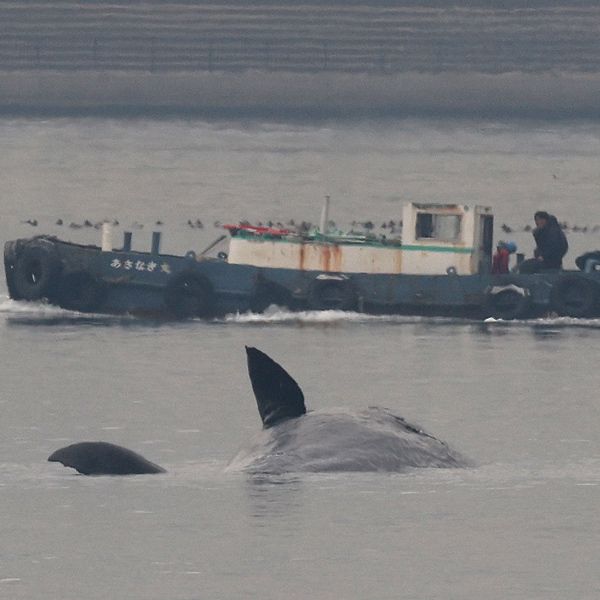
(86, 279)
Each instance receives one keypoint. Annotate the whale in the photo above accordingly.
(103, 458)
(296, 440)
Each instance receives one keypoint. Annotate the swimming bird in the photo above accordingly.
(294, 440)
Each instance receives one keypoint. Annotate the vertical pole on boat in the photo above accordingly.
(155, 242)
(106, 237)
(127, 241)
(325, 216)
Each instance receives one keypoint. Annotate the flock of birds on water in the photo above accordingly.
(390, 227)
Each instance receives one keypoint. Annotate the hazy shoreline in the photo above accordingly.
(328, 94)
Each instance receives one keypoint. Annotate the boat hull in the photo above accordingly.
(87, 279)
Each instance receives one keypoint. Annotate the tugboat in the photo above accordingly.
(441, 266)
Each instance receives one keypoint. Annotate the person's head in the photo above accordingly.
(541, 218)
(510, 247)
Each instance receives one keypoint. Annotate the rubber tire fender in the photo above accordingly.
(36, 272)
(575, 296)
(508, 305)
(189, 295)
(332, 294)
(267, 293)
(9, 269)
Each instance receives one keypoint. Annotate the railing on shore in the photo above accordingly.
(335, 36)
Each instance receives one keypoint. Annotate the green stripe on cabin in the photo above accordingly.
(454, 249)
(320, 240)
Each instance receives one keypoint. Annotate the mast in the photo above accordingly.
(325, 216)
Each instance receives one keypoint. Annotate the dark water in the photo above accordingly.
(519, 399)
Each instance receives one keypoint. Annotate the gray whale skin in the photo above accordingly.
(102, 458)
(292, 440)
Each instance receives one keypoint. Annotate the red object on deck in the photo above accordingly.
(258, 230)
(500, 261)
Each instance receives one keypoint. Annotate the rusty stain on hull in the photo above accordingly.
(398, 262)
(324, 258)
(314, 256)
(330, 258)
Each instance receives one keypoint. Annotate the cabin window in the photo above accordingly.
(424, 225)
(445, 228)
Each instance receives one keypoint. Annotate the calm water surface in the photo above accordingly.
(519, 399)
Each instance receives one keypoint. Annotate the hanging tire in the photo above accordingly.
(508, 304)
(332, 294)
(581, 261)
(35, 273)
(80, 291)
(9, 269)
(575, 296)
(189, 295)
(266, 294)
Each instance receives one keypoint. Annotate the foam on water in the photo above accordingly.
(30, 308)
(275, 315)
(553, 321)
(40, 313)
(278, 316)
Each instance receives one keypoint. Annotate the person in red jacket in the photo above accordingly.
(502, 256)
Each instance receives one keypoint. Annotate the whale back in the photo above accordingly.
(277, 394)
(372, 440)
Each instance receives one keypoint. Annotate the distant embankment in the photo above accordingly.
(329, 57)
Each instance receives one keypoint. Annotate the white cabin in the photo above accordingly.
(439, 237)
(436, 239)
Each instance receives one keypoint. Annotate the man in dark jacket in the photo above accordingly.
(550, 239)
(551, 244)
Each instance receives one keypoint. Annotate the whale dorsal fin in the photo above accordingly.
(277, 395)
